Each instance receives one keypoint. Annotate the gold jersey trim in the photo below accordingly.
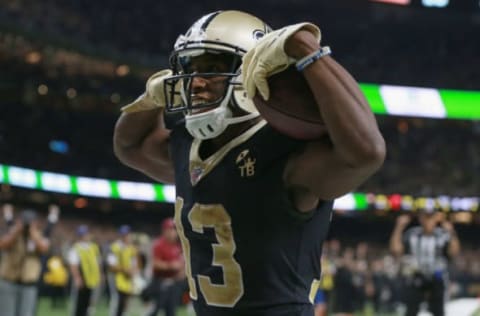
(200, 168)
(313, 290)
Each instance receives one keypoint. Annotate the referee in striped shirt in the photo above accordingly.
(426, 250)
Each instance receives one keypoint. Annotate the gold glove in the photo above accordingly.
(153, 97)
(268, 57)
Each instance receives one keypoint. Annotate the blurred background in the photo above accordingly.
(67, 66)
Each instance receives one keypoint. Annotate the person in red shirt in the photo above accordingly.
(167, 270)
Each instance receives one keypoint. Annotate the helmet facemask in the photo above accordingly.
(205, 119)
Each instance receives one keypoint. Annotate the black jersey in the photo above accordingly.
(248, 251)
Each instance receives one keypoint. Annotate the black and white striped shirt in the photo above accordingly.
(428, 253)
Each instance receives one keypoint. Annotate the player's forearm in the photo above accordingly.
(142, 121)
(133, 128)
(161, 265)
(454, 246)
(75, 271)
(396, 246)
(7, 241)
(350, 122)
(141, 141)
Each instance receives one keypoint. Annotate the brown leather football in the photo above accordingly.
(291, 108)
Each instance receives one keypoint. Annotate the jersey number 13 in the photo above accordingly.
(228, 293)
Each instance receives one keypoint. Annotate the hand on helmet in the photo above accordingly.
(154, 96)
(268, 57)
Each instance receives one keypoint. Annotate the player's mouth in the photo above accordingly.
(198, 101)
(197, 104)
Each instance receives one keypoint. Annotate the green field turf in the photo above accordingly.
(136, 309)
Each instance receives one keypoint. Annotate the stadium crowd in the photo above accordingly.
(361, 268)
(405, 45)
(63, 93)
(425, 156)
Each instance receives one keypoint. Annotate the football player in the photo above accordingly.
(253, 206)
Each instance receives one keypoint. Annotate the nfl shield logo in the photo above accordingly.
(195, 174)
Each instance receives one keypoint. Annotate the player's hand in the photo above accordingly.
(34, 232)
(268, 57)
(154, 95)
(403, 220)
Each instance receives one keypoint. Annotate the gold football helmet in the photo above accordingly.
(228, 35)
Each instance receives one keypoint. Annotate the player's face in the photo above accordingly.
(87, 237)
(429, 222)
(207, 86)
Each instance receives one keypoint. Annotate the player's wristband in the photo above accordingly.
(309, 59)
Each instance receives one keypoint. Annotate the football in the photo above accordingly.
(291, 108)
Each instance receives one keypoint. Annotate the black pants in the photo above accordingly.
(421, 288)
(57, 294)
(166, 296)
(81, 299)
(118, 303)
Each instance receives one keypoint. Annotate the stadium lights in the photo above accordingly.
(85, 186)
(399, 2)
(435, 3)
(140, 191)
(469, 6)
(422, 102)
